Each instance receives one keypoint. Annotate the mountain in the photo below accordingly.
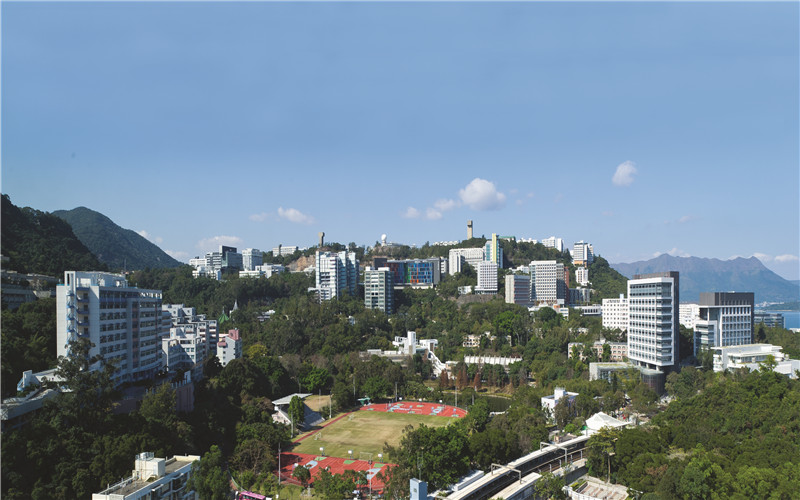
(714, 275)
(119, 248)
(41, 243)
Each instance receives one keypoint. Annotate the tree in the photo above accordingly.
(208, 477)
(297, 411)
(606, 352)
(302, 474)
(563, 412)
(436, 455)
(600, 448)
(550, 486)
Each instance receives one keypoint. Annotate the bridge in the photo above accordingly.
(517, 478)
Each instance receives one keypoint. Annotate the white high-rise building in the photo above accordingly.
(379, 289)
(184, 349)
(653, 330)
(553, 242)
(725, 319)
(493, 252)
(615, 313)
(689, 313)
(458, 256)
(487, 278)
(251, 258)
(547, 282)
(582, 276)
(229, 347)
(337, 273)
(582, 253)
(123, 322)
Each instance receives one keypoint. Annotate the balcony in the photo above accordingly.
(83, 322)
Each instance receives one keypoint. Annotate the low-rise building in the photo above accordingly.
(184, 350)
(229, 347)
(154, 478)
(619, 350)
(752, 357)
(770, 319)
(549, 402)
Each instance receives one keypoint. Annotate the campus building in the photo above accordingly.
(493, 252)
(582, 276)
(689, 314)
(229, 347)
(379, 289)
(518, 289)
(215, 263)
(770, 319)
(582, 253)
(337, 273)
(122, 322)
(615, 313)
(548, 285)
(487, 278)
(414, 272)
(174, 315)
(724, 319)
(457, 257)
(184, 350)
(251, 257)
(154, 478)
(653, 330)
(553, 242)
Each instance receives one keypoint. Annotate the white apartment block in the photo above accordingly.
(518, 289)
(251, 258)
(123, 322)
(154, 478)
(553, 242)
(229, 347)
(547, 282)
(689, 314)
(582, 253)
(458, 256)
(725, 319)
(337, 273)
(184, 349)
(379, 289)
(264, 270)
(615, 313)
(653, 333)
(582, 276)
(281, 250)
(487, 278)
(179, 315)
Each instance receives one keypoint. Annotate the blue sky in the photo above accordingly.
(642, 128)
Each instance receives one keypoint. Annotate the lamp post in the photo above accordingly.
(322, 451)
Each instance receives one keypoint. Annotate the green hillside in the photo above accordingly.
(39, 242)
(119, 248)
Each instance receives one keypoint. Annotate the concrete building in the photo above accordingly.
(487, 278)
(379, 289)
(458, 256)
(414, 272)
(619, 350)
(582, 276)
(724, 319)
(582, 253)
(615, 313)
(770, 319)
(653, 331)
(547, 282)
(215, 263)
(518, 289)
(493, 252)
(749, 356)
(337, 273)
(263, 271)
(282, 250)
(229, 347)
(174, 315)
(123, 322)
(185, 349)
(252, 257)
(549, 402)
(154, 478)
(580, 295)
(689, 313)
(553, 242)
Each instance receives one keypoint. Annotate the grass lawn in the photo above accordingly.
(318, 403)
(366, 432)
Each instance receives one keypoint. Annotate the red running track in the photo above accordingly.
(417, 408)
(290, 460)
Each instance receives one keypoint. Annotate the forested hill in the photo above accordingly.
(715, 275)
(118, 247)
(39, 242)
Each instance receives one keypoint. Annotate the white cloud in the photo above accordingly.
(786, 258)
(446, 204)
(178, 255)
(150, 237)
(675, 252)
(762, 257)
(433, 214)
(519, 203)
(624, 174)
(481, 194)
(294, 215)
(686, 218)
(213, 243)
(529, 195)
(608, 213)
(411, 213)
(263, 216)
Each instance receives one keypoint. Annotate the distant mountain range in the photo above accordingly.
(714, 275)
(119, 248)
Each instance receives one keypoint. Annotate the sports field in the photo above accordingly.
(364, 432)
